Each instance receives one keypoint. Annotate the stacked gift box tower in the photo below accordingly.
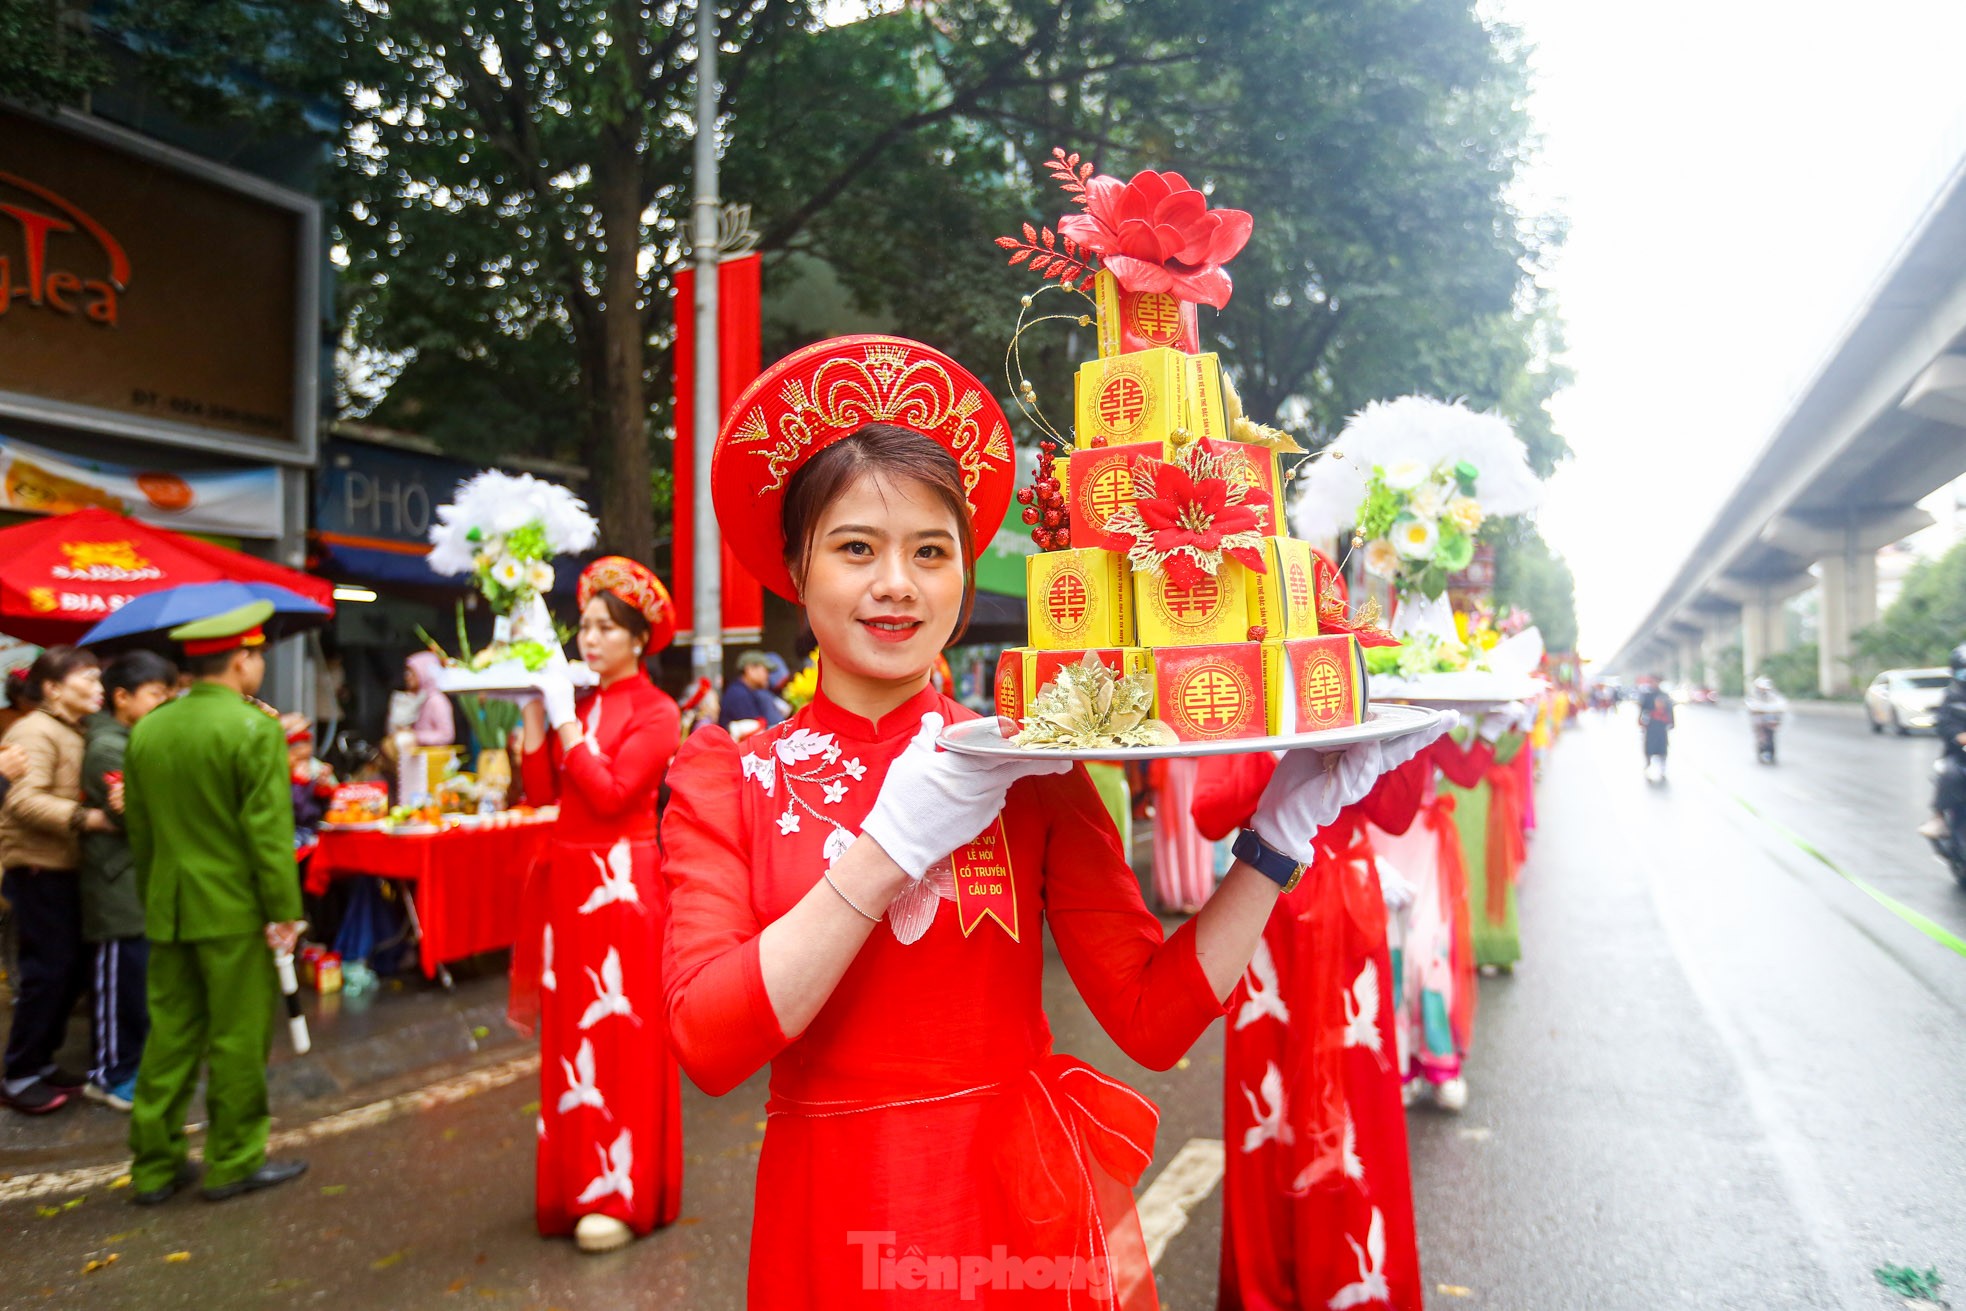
(1234, 655)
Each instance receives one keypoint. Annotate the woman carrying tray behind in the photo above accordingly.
(610, 1116)
(925, 1147)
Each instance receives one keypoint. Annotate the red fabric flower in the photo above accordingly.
(1157, 233)
(1197, 513)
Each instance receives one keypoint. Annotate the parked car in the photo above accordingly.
(1905, 700)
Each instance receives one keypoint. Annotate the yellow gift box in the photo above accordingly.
(1262, 467)
(1314, 683)
(1078, 599)
(1164, 396)
(1283, 600)
(1141, 320)
(1210, 693)
(1023, 672)
(1213, 611)
(1100, 483)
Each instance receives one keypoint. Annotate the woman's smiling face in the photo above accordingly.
(883, 585)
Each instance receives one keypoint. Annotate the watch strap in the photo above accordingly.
(1266, 860)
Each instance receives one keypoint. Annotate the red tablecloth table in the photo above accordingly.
(467, 881)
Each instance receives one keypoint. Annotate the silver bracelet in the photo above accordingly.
(827, 874)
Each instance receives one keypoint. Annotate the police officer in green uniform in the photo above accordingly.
(209, 812)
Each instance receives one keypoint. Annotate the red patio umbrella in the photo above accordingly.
(59, 576)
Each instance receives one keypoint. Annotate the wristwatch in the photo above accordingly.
(1267, 860)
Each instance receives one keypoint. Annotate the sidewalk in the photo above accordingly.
(403, 1034)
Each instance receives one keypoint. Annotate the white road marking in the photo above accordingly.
(442, 1093)
(1181, 1184)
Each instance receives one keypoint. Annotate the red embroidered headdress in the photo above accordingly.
(829, 390)
(637, 585)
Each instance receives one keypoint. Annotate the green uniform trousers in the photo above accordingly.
(211, 1002)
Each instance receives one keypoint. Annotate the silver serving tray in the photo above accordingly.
(981, 737)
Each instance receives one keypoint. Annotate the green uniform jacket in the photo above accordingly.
(210, 814)
(111, 907)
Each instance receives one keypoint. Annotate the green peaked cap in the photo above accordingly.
(230, 624)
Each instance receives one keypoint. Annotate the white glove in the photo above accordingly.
(1398, 893)
(1310, 787)
(934, 801)
(556, 690)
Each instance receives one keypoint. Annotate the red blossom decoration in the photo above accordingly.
(1188, 516)
(1157, 233)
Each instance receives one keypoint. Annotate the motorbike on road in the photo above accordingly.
(1951, 847)
(1766, 708)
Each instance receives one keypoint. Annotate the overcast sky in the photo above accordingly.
(1737, 174)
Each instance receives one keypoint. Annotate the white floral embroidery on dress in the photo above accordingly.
(854, 769)
(836, 844)
(764, 769)
(835, 793)
(789, 822)
(801, 745)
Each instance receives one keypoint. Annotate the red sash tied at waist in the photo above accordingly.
(1066, 1145)
(1069, 1145)
(1506, 848)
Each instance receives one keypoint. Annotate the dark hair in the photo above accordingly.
(55, 664)
(21, 695)
(135, 669)
(895, 452)
(627, 616)
(214, 664)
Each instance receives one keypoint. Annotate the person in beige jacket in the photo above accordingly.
(41, 822)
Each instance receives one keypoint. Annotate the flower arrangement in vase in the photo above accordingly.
(504, 530)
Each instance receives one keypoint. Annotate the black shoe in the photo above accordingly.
(66, 1080)
(269, 1174)
(38, 1098)
(187, 1174)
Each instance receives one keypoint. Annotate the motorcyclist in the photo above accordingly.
(1766, 707)
(1950, 792)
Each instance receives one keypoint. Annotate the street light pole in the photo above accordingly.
(707, 642)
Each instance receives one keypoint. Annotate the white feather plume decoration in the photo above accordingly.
(1424, 430)
(496, 504)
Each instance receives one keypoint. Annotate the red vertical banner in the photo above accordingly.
(738, 362)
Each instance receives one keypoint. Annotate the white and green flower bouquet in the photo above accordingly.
(504, 530)
(1413, 481)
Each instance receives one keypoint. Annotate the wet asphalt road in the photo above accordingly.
(1722, 1077)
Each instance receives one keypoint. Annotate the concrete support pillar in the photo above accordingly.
(1692, 659)
(1712, 645)
(1848, 603)
(1764, 631)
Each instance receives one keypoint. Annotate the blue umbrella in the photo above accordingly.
(155, 613)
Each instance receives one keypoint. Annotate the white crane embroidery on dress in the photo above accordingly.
(1264, 996)
(1271, 1122)
(617, 879)
(1371, 1284)
(547, 980)
(1362, 1010)
(581, 1090)
(1348, 1162)
(616, 1162)
(609, 999)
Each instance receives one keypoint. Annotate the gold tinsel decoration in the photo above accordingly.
(1088, 708)
(1242, 428)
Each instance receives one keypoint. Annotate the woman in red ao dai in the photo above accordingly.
(925, 1146)
(610, 1114)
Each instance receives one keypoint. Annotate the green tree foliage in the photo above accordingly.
(1925, 622)
(1531, 575)
(1794, 671)
(506, 160)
